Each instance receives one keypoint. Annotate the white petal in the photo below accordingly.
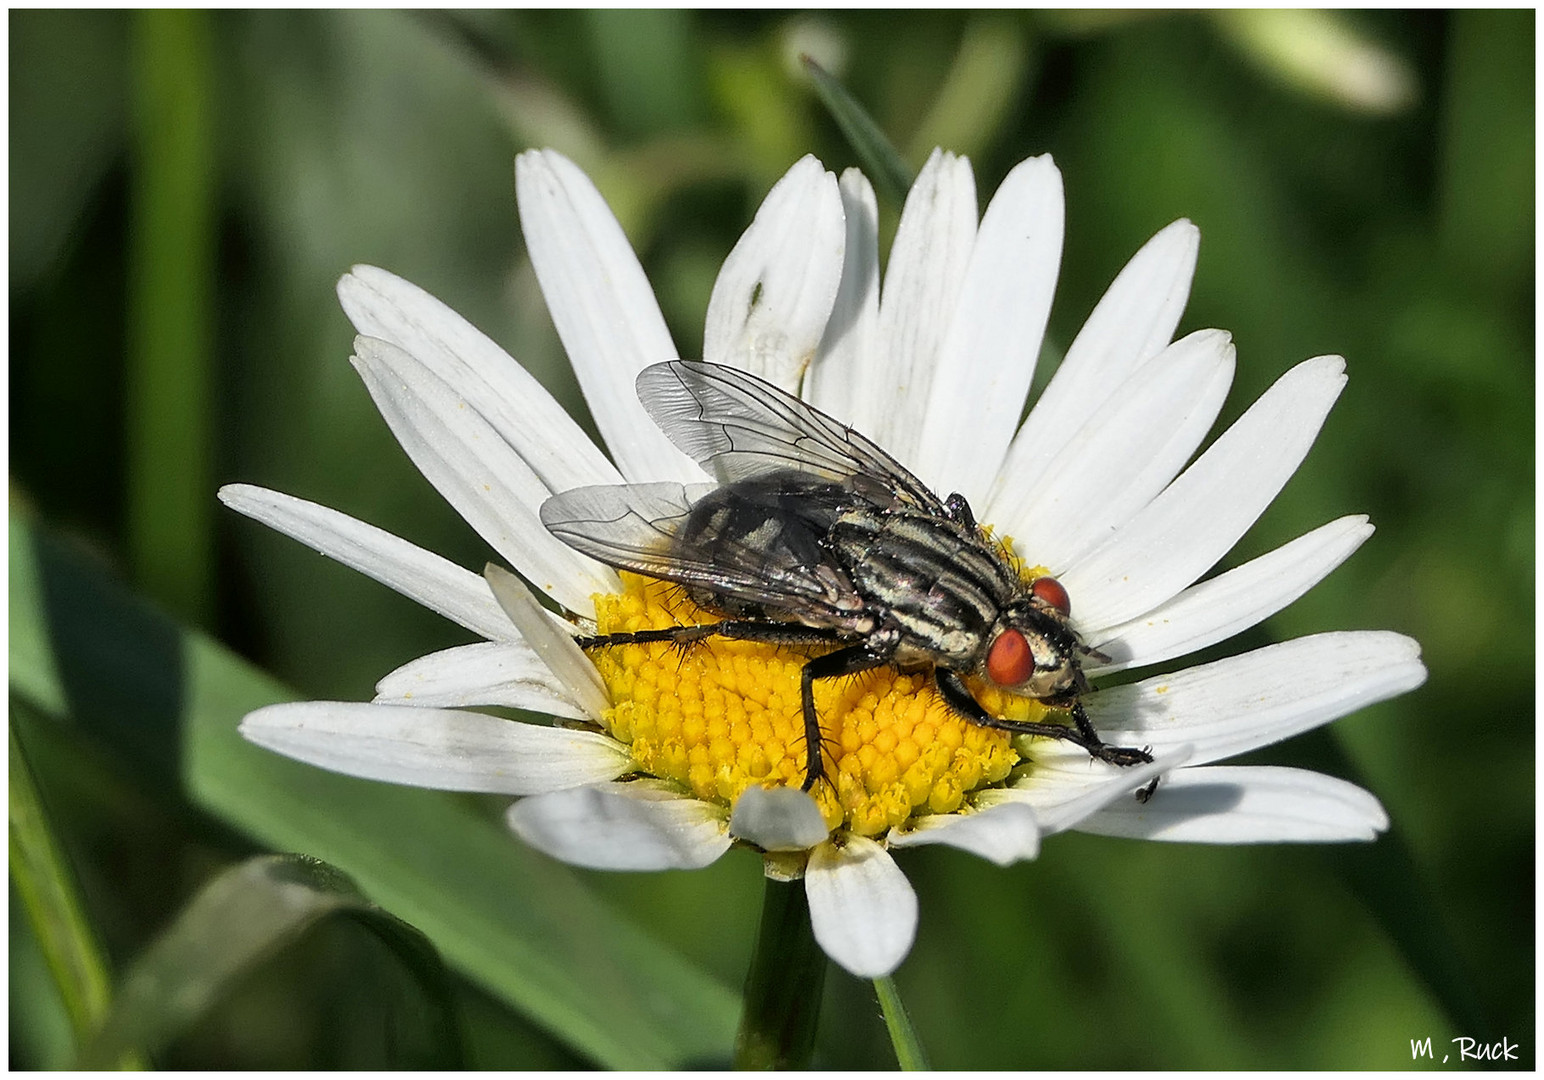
(862, 908)
(477, 472)
(1066, 785)
(602, 306)
(1185, 530)
(987, 358)
(634, 826)
(382, 305)
(1132, 448)
(1246, 805)
(1131, 324)
(443, 749)
(848, 360)
(487, 673)
(549, 642)
(774, 294)
(1006, 833)
(922, 284)
(779, 819)
(1242, 702)
(436, 583)
(1231, 603)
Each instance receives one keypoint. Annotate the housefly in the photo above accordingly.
(813, 535)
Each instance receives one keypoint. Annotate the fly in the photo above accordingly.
(813, 535)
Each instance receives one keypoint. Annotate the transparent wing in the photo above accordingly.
(739, 427)
(731, 547)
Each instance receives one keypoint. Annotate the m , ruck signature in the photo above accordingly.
(1468, 1050)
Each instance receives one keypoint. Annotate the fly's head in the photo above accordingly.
(1033, 650)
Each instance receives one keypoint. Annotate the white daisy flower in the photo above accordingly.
(667, 761)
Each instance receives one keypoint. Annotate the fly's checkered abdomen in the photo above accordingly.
(935, 580)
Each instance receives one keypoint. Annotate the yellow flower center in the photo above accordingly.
(717, 716)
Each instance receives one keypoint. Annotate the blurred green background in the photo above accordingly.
(187, 187)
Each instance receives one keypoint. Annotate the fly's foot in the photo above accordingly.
(813, 774)
(1128, 756)
(1121, 755)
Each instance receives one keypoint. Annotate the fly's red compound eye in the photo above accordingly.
(1009, 662)
(1050, 590)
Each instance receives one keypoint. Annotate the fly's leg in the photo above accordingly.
(959, 698)
(683, 637)
(735, 629)
(848, 661)
(1115, 755)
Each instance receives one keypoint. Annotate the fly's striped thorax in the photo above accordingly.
(939, 583)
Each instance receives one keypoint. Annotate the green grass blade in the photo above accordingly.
(520, 925)
(46, 887)
(645, 66)
(171, 321)
(978, 96)
(242, 918)
(1385, 877)
(1487, 165)
(878, 157)
(30, 656)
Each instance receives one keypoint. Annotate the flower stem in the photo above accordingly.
(782, 987)
(908, 1048)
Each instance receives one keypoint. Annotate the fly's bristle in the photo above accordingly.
(1003, 545)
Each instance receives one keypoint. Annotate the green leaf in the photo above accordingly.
(878, 158)
(242, 918)
(522, 926)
